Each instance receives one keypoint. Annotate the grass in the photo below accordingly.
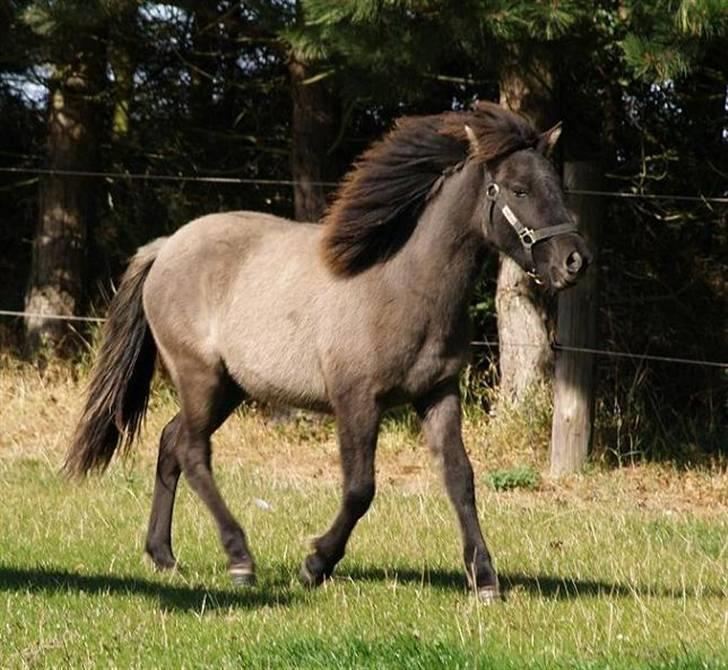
(614, 569)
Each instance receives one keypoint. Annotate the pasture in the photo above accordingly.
(623, 568)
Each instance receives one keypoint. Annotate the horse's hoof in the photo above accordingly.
(313, 572)
(308, 579)
(488, 595)
(242, 575)
(163, 563)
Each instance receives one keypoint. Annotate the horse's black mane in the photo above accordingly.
(381, 199)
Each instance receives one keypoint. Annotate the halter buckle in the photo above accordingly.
(492, 190)
(526, 235)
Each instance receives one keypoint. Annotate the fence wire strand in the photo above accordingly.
(50, 317)
(206, 179)
(212, 179)
(556, 346)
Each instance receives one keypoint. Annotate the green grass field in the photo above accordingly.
(614, 569)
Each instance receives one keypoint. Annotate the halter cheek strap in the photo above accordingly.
(528, 236)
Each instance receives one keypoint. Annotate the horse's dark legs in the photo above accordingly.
(357, 428)
(440, 415)
(196, 466)
(159, 534)
(208, 396)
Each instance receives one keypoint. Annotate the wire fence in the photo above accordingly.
(213, 179)
(50, 317)
(254, 181)
(556, 346)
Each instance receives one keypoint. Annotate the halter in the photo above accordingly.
(528, 236)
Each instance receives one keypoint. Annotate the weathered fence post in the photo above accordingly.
(573, 417)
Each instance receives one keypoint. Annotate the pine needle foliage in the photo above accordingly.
(666, 38)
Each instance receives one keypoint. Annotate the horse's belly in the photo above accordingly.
(279, 370)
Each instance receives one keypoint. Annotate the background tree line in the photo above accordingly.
(285, 90)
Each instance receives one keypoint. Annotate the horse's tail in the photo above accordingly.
(118, 392)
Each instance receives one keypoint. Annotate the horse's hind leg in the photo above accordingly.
(207, 396)
(159, 535)
(358, 425)
(440, 415)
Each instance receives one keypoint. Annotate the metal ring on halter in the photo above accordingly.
(527, 237)
(534, 275)
(492, 190)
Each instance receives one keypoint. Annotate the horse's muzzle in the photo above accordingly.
(571, 270)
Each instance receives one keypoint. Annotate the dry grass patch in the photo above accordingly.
(38, 411)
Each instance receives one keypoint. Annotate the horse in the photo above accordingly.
(358, 314)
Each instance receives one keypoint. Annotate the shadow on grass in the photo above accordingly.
(177, 597)
(189, 598)
(545, 586)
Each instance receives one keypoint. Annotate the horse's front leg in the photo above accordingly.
(440, 415)
(357, 422)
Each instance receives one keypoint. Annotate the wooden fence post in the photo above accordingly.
(573, 417)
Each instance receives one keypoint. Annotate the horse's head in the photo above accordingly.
(525, 217)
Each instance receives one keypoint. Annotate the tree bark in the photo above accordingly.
(573, 416)
(313, 133)
(122, 60)
(526, 87)
(204, 61)
(56, 283)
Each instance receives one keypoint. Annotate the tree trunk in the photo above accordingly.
(204, 61)
(576, 326)
(122, 61)
(65, 202)
(313, 133)
(526, 86)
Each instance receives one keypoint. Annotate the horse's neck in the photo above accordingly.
(440, 261)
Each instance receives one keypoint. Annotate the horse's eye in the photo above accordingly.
(520, 192)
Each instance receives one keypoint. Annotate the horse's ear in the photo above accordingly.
(473, 139)
(547, 140)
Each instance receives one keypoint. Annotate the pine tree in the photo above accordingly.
(73, 44)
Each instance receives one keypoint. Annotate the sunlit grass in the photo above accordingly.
(614, 569)
(597, 589)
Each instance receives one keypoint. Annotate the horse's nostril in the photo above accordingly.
(574, 262)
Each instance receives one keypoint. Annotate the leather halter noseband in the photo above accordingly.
(528, 236)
